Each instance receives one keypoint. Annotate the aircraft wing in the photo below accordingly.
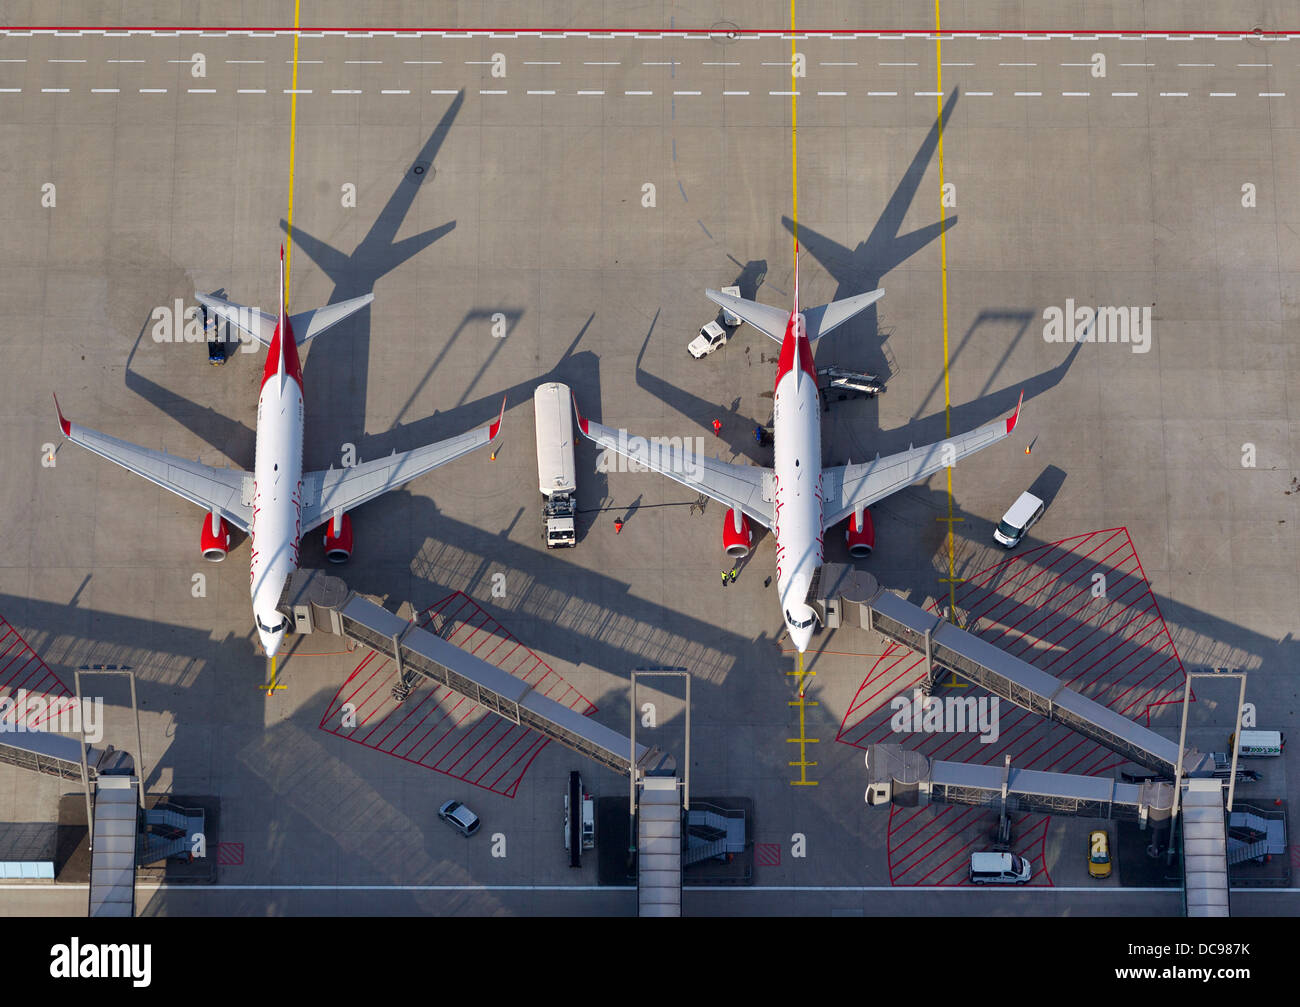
(255, 323)
(307, 324)
(845, 488)
(738, 486)
(205, 485)
(326, 491)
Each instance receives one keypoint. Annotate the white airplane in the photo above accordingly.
(797, 499)
(277, 502)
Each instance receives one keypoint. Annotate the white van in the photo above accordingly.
(1259, 743)
(1018, 520)
(999, 869)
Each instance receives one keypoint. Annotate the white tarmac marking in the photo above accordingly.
(734, 94)
(153, 90)
(343, 91)
(883, 94)
(251, 90)
(394, 91)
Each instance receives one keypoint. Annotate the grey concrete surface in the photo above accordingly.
(1103, 199)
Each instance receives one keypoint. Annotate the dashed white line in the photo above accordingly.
(1123, 94)
(1137, 64)
(540, 92)
(712, 64)
(482, 91)
(11, 90)
(420, 62)
(435, 91)
(341, 90)
(614, 63)
(882, 94)
(927, 94)
(153, 90)
(668, 63)
(734, 94)
(54, 90)
(686, 92)
(1196, 64)
(638, 92)
(251, 90)
(1076, 94)
(1223, 94)
(543, 62)
(900, 64)
(201, 90)
(1173, 94)
(834, 94)
(1017, 64)
(245, 61)
(394, 90)
(831, 64)
(123, 61)
(956, 64)
(72, 61)
(781, 63)
(1029, 94)
(784, 94)
(1272, 94)
(370, 62)
(13, 61)
(105, 90)
(979, 94)
(1254, 64)
(298, 90)
(591, 92)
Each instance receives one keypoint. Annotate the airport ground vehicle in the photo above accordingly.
(579, 820)
(712, 335)
(459, 818)
(988, 868)
(556, 474)
(1098, 854)
(1018, 519)
(215, 336)
(1257, 744)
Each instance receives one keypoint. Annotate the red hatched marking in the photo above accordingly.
(767, 854)
(440, 729)
(22, 670)
(230, 854)
(1039, 606)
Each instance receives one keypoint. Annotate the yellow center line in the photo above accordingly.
(943, 274)
(293, 131)
(794, 135)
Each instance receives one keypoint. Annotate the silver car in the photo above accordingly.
(459, 818)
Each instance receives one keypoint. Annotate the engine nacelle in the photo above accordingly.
(214, 539)
(338, 547)
(861, 540)
(737, 537)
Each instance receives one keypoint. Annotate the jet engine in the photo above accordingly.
(861, 540)
(215, 538)
(736, 534)
(338, 542)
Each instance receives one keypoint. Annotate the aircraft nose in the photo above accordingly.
(801, 638)
(270, 642)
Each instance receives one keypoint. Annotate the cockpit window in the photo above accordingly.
(796, 623)
(269, 629)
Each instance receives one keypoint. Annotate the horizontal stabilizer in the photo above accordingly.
(819, 321)
(768, 320)
(250, 321)
(307, 324)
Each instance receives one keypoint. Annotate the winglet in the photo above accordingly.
(1015, 417)
(582, 423)
(492, 431)
(64, 424)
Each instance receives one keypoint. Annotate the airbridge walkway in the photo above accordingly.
(899, 776)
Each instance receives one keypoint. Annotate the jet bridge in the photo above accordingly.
(908, 778)
(315, 601)
(949, 648)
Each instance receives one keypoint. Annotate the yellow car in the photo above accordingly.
(1098, 854)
